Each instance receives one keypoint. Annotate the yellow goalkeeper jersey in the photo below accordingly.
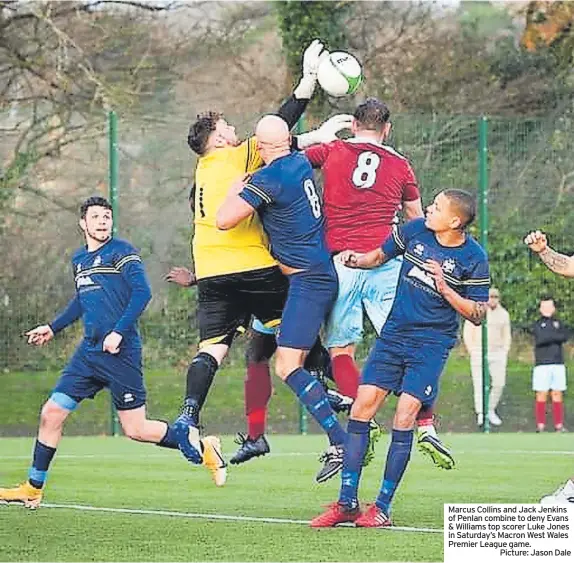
(244, 247)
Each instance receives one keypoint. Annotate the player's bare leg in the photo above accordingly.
(52, 418)
(141, 429)
(428, 441)
(138, 427)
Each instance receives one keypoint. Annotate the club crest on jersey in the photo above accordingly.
(448, 266)
(419, 249)
(97, 261)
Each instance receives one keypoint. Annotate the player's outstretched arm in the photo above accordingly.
(326, 133)
(558, 263)
(294, 107)
(40, 335)
(365, 261)
(314, 54)
(69, 315)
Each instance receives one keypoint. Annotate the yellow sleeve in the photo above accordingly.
(250, 155)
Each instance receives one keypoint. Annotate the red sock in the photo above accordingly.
(257, 395)
(346, 375)
(425, 416)
(558, 413)
(540, 412)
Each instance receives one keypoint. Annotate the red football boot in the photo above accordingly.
(374, 517)
(335, 514)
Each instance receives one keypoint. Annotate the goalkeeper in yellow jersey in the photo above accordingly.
(237, 276)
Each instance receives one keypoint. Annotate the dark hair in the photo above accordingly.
(93, 202)
(463, 203)
(372, 114)
(200, 130)
(547, 297)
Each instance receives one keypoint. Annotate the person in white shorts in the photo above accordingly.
(564, 266)
(549, 374)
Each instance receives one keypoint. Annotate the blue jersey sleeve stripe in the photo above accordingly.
(397, 238)
(97, 270)
(126, 259)
(258, 192)
(483, 281)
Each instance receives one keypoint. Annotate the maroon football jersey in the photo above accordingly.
(364, 185)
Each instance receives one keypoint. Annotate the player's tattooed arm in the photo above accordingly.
(558, 263)
(478, 312)
(366, 261)
(474, 311)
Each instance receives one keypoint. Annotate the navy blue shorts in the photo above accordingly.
(89, 371)
(311, 296)
(406, 367)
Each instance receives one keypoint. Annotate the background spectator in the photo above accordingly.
(549, 372)
(499, 340)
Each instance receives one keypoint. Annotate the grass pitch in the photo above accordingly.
(171, 511)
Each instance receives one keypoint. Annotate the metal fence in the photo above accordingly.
(531, 185)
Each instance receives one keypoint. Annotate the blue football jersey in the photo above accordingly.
(291, 211)
(112, 291)
(419, 310)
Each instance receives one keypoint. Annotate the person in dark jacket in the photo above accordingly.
(549, 372)
(562, 265)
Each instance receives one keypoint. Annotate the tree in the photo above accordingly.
(302, 22)
(62, 64)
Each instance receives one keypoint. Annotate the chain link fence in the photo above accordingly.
(531, 185)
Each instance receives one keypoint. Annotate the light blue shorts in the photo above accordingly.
(370, 290)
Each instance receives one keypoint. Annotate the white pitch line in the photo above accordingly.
(227, 517)
(279, 454)
(155, 455)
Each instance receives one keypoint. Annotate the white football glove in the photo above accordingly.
(312, 58)
(327, 132)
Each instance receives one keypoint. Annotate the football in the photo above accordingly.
(340, 74)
